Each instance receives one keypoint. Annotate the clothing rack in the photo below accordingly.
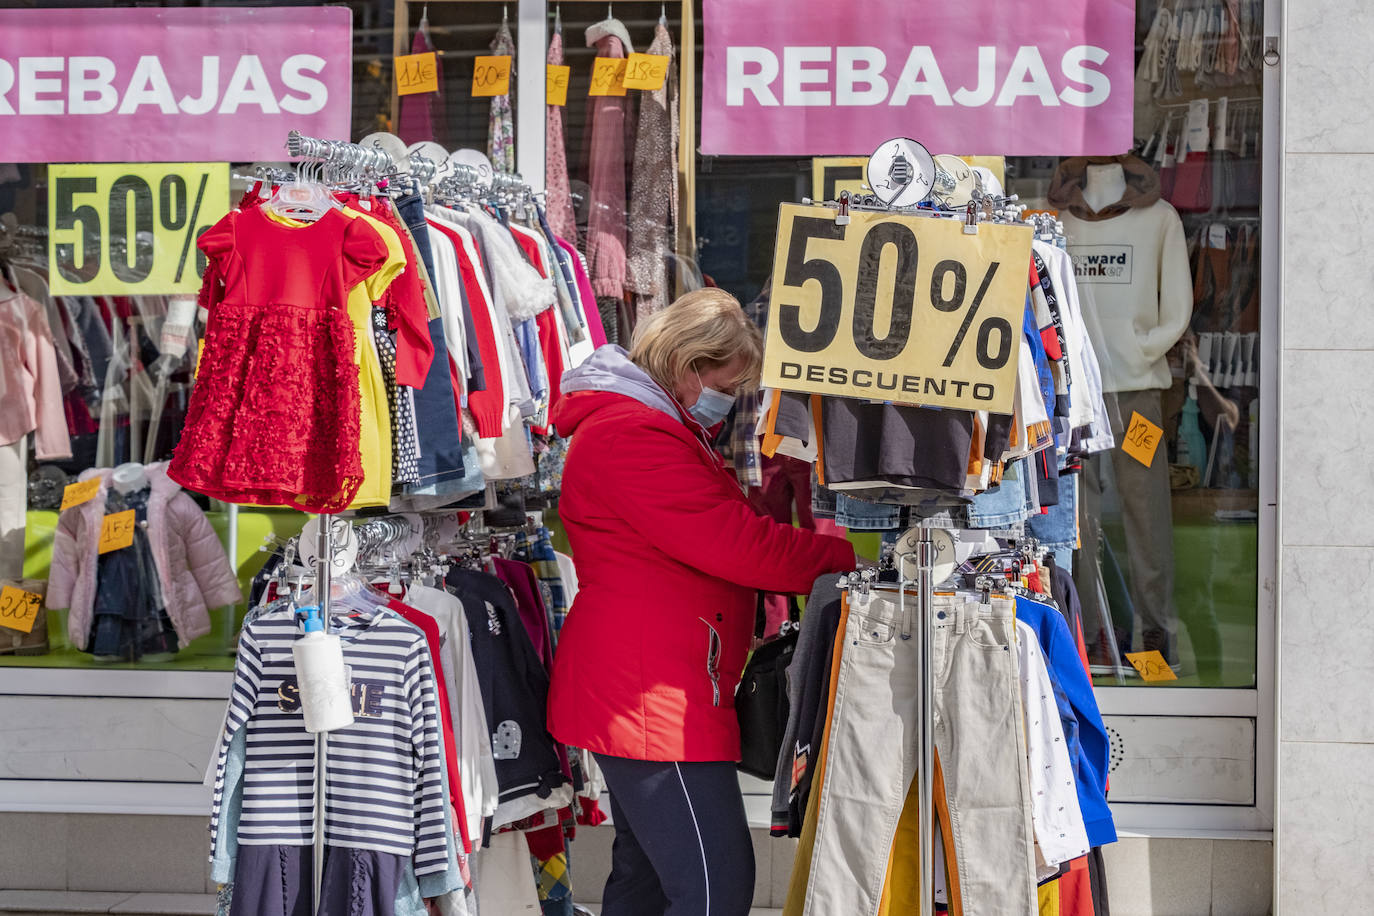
(339, 152)
(919, 546)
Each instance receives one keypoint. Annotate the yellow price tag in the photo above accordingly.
(1151, 665)
(646, 71)
(608, 76)
(491, 76)
(1142, 439)
(832, 174)
(19, 609)
(556, 84)
(995, 164)
(416, 73)
(77, 493)
(131, 230)
(896, 308)
(117, 531)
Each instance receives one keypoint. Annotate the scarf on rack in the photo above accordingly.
(606, 215)
(558, 203)
(501, 136)
(653, 198)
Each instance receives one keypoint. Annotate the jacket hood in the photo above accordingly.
(1066, 190)
(608, 370)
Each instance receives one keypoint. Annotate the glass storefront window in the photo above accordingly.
(1168, 557)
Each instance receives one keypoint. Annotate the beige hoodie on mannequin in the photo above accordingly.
(1131, 263)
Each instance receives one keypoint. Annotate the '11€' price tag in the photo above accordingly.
(416, 73)
(117, 531)
(19, 608)
(1142, 439)
(131, 230)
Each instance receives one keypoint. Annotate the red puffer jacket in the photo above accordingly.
(669, 556)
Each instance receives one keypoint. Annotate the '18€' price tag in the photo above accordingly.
(117, 531)
(19, 608)
(608, 76)
(1142, 439)
(646, 71)
(491, 76)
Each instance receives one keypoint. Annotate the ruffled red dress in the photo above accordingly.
(274, 416)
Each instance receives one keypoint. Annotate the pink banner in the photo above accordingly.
(171, 85)
(972, 77)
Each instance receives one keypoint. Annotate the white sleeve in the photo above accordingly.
(1175, 290)
(1058, 821)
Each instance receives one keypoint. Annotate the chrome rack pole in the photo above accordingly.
(925, 555)
(324, 571)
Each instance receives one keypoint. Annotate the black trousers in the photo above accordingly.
(682, 845)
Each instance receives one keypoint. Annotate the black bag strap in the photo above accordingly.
(761, 614)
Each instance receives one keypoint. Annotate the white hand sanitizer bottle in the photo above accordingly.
(320, 674)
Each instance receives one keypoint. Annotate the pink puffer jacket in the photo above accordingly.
(191, 564)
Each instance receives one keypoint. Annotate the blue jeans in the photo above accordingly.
(1058, 525)
(1007, 503)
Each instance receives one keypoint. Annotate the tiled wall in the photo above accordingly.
(1326, 719)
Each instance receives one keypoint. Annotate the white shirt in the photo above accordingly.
(1055, 816)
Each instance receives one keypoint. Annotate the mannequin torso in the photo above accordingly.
(129, 478)
(1104, 185)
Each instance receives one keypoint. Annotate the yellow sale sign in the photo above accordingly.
(130, 229)
(896, 307)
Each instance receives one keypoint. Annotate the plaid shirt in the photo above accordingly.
(744, 443)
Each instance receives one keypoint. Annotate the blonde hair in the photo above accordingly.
(705, 328)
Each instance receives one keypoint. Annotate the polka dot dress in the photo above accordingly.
(405, 452)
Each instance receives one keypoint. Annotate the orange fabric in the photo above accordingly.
(1075, 890)
(952, 893)
(771, 440)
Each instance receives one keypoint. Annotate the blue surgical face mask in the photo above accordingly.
(712, 406)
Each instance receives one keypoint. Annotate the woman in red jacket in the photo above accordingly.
(669, 558)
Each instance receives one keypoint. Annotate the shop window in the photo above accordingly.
(1168, 557)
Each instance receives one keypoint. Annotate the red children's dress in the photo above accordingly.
(274, 417)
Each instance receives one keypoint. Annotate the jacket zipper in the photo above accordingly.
(713, 662)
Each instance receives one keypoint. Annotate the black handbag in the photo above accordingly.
(761, 702)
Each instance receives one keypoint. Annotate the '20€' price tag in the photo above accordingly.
(1151, 665)
(19, 608)
(491, 76)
